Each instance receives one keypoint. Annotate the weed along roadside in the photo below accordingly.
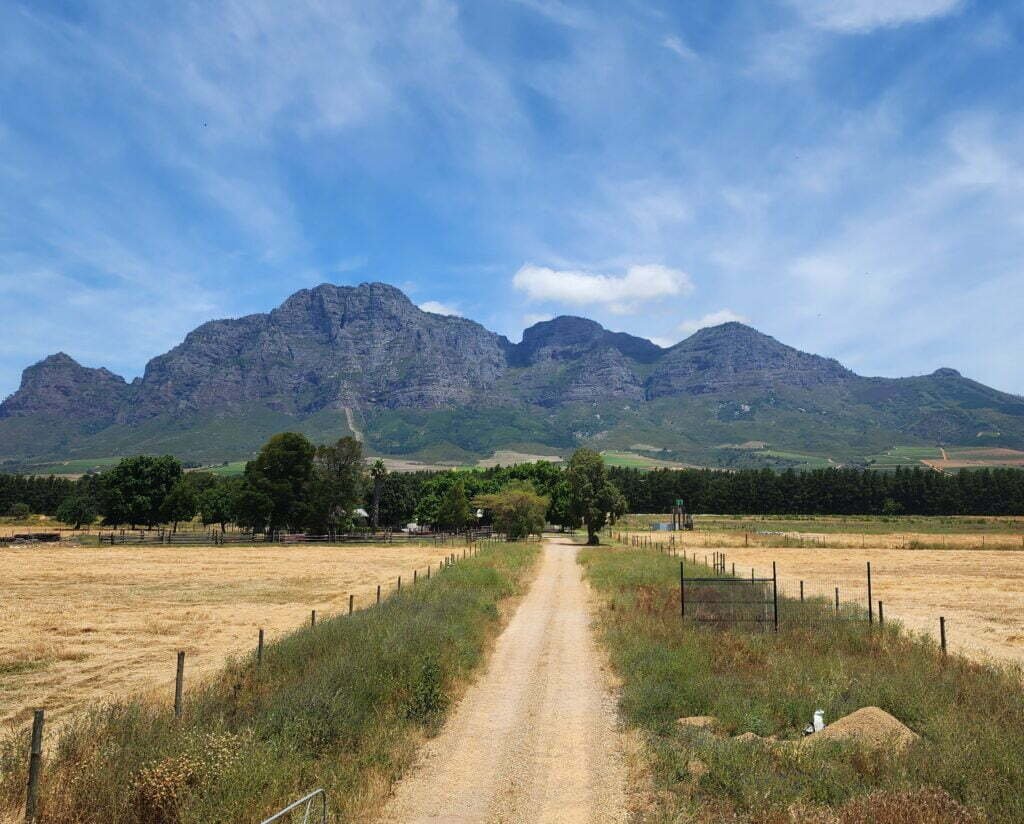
(341, 703)
(722, 707)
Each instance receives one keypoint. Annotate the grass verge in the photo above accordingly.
(968, 764)
(340, 706)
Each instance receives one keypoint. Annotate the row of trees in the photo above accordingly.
(296, 486)
(914, 491)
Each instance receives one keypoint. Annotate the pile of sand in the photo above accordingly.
(871, 727)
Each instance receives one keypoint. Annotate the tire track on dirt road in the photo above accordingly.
(536, 738)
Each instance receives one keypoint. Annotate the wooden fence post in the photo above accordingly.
(801, 592)
(399, 583)
(351, 603)
(312, 618)
(35, 766)
(179, 684)
(259, 648)
(837, 602)
(871, 612)
(378, 594)
(775, 597)
(881, 615)
(942, 635)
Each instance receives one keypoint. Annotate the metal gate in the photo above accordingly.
(312, 808)
(729, 600)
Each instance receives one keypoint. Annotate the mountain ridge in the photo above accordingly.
(414, 376)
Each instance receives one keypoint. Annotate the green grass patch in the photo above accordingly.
(341, 706)
(968, 762)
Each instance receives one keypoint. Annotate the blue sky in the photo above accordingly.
(846, 176)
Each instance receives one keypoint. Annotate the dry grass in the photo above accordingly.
(86, 625)
(979, 591)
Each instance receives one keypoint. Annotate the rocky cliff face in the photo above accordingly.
(369, 348)
(324, 348)
(59, 386)
(733, 357)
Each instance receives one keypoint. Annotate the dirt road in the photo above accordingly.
(535, 739)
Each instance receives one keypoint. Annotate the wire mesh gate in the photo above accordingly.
(729, 599)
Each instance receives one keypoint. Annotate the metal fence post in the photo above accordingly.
(35, 766)
(682, 589)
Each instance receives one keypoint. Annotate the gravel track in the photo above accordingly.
(536, 738)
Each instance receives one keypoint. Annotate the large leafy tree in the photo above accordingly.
(180, 504)
(216, 501)
(337, 485)
(282, 474)
(133, 492)
(453, 510)
(592, 498)
(516, 509)
(77, 510)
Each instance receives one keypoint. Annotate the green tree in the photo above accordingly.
(216, 502)
(76, 510)
(337, 485)
(180, 504)
(282, 472)
(133, 492)
(19, 511)
(379, 473)
(251, 508)
(453, 510)
(516, 509)
(592, 497)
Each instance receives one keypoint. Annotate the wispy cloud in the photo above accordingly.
(688, 327)
(622, 294)
(438, 308)
(865, 15)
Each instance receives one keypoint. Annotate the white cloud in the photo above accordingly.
(688, 327)
(621, 295)
(664, 343)
(438, 308)
(675, 44)
(858, 16)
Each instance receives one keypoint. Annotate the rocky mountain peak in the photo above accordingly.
(59, 385)
(568, 337)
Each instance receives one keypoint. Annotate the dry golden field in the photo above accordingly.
(979, 591)
(85, 625)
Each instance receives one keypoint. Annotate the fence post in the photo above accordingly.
(35, 766)
(351, 603)
(942, 635)
(312, 618)
(428, 572)
(801, 592)
(682, 589)
(378, 594)
(399, 583)
(415, 575)
(259, 648)
(837, 602)
(881, 615)
(179, 683)
(871, 612)
(775, 596)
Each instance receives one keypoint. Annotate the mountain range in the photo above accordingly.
(365, 360)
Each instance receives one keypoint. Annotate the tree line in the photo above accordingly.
(832, 491)
(293, 485)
